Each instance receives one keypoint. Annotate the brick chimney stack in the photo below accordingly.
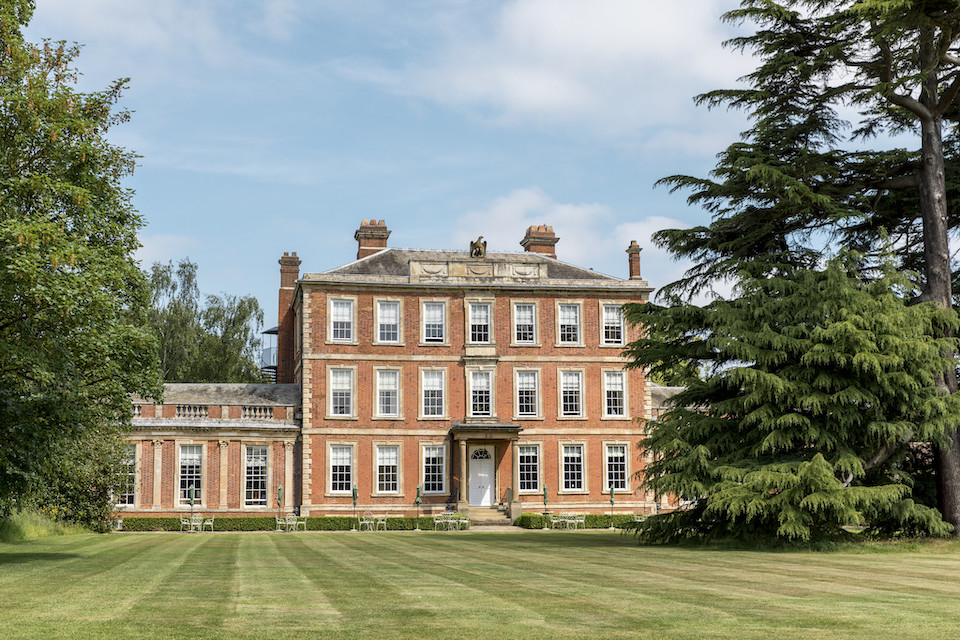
(371, 237)
(633, 253)
(540, 239)
(289, 274)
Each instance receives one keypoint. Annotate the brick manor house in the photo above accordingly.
(480, 380)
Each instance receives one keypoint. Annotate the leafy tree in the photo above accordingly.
(789, 189)
(216, 342)
(821, 383)
(73, 343)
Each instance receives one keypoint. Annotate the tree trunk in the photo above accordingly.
(936, 251)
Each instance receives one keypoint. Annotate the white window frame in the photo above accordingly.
(352, 446)
(579, 306)
(468, 312)
(561, 415)
(443, 394)
(377, 371)
(201, 501)
(538, 399)
(513, 324)
(604, 304)
(377, 446)
(445, 466)
(353, 319)
(492, 380)
(135, 472)
(603, 398)
(584, 475)
(247, 504)
(377, 320)
(445, 303)
(538, 488)
(353, 393)
(607, 444)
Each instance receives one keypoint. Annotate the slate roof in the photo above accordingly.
(232, 394)
(396, 262)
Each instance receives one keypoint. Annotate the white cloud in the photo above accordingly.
(164, 247)
(613, 66)
(588, 234)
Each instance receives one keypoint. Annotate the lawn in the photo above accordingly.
(474, 584)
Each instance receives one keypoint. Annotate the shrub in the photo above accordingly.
(531, 520)
(29, 525)
(269, 523)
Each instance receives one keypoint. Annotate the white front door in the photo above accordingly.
(481, 476)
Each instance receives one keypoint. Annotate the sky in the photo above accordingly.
(267, 126)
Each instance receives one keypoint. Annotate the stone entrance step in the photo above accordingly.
(487, 516)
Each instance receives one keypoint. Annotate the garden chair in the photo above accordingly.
(207, 522)
(281, 523)
(184, 522)
(367, 520)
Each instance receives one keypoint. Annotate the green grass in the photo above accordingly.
(476, 584)
(30, 525)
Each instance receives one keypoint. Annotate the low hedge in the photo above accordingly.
(591, 520)
(269, 523)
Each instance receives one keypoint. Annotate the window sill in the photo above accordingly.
(388, 418)
(571, 417)
(616, 418)
(528, 418)
(346, 343)
(573, 492)
(569, 345)
(338, 417)
(432, 418)
(434, 344)
(385, 344)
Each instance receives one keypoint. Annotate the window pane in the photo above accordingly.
(570, 393)
(433, 393)
(388, 461)
(573, 467)
(341, 468)
(479, 322)
(433, 321)
(612, 324)
(613, 400)
(527, 404)
(126, 492)
(389, 315)
(616, 466)
(433, 469)
(570, 323)
(480, 393)
(342, 315)
(523, 315)
(191, 461)
(341, 392)
(255, 493)
(529, 468)
(388, 383)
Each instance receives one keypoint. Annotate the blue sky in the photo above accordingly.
(278, 125)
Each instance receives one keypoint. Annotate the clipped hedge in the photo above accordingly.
(592, 520)
(269, 523)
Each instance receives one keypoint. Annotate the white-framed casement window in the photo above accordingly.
(434, 468)
(389, 327)
(481, 393)
(614, 394)
(572, 464)
(434, 323)
(612, 329)
(615, 461)
(126, 494)
(388, 468)
(524, 323)
(480, 323)
(568, 324)
(341, 468)
(571, 394)
(341, 392)
(432, 397)
(528, 393)
(388, 393)
(191, 473)
(255, 479)
(342, 322)
(529, 463)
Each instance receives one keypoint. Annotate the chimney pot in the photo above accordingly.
(540, 239)
(633, 260)
(371, 237)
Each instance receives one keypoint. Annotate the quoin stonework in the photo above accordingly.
(479, 379)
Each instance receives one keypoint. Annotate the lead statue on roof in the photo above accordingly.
(478, 249)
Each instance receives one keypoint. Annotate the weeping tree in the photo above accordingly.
(800, 183)
(821, 385)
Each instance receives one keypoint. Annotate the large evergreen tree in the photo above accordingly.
(821, 384)
(793, 185)
(73, 302)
